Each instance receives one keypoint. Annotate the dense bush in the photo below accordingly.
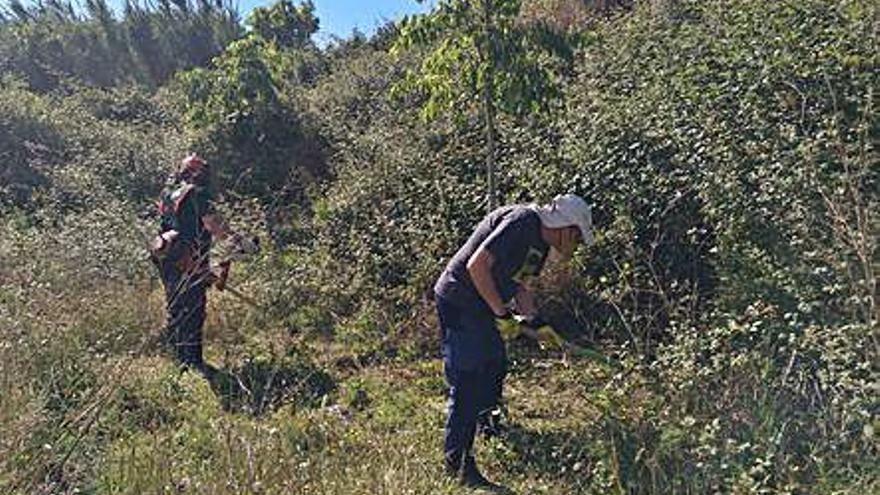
(29, 144)
(731, 163)
(734, 155)
(51, 41)
(85, 148)
(249, 121)
(728, 147)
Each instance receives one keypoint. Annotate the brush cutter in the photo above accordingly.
(537, 329)
(238, 248)
(241, 297)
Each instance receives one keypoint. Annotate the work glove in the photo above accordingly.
(508, 328)
(547, 337)
(544, 333)
(535, 321)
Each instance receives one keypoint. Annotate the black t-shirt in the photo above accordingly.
(184, 205)
(513, 235)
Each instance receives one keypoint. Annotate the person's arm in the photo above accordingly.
(180, 251)
(525, 302)
(479, 267)
(238, 244)
(216, 226)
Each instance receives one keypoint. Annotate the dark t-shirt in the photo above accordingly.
(513, 235)
(185, 207)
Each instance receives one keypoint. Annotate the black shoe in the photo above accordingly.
(489, 423)
(452, 466)
(197, 365)
(206, 370)
(471, 476)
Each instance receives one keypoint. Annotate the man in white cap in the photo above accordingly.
(487, 279)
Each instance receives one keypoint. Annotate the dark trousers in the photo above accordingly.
(185, 303)
(474, 365)
(470, 393)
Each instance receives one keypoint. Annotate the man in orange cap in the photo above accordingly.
(188, 226)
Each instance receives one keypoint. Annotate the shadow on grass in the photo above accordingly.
(565, 455)
(259, 387)
(500, 490)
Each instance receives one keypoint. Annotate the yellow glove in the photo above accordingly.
(549, 338)
(508, 328)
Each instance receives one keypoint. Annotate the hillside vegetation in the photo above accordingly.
(729, 148)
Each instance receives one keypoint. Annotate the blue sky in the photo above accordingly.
(340, 17)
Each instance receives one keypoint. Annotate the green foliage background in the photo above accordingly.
(729, 147)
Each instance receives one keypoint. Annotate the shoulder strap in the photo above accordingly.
(180, 195)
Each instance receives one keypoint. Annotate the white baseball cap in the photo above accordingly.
(569, 210)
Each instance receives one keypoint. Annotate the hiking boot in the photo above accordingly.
(471, 476)
(206, 370)
(452, 466)
(489, 423)
(198, 366)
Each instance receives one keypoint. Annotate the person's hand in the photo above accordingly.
(532, 321)
(524, 302)
(509, 328)
(503, 314)
(219, 276)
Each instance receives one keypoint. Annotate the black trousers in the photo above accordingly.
(470, 393)
(185, 303)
